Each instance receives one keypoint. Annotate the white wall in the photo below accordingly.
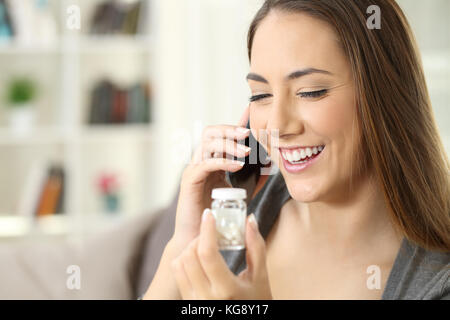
(201, 45)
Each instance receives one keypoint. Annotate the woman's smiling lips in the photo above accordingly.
(296, 159)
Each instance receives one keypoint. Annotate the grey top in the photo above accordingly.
(416, 274)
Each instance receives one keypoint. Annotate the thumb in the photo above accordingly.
(256, 248)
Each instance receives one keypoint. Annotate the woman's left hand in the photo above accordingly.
(202, 273)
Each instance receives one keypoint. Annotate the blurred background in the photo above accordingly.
(98, 116)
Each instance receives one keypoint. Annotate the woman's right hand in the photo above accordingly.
(205, 172)
(201, 175)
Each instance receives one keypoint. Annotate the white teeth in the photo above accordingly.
(302, 154)
(308, 152)
(296, 155)
(289, 156)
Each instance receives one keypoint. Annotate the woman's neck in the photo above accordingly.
(360, 218)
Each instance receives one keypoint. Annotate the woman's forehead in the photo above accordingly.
(284, 42)
(295, 30)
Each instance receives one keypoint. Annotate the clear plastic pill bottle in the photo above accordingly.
(230, 210)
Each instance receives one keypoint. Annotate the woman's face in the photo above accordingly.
(285, 43)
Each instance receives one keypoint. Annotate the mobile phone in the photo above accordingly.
(248, 176)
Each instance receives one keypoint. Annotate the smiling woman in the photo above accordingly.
(380, 69)
(363, 183)
(322, 79)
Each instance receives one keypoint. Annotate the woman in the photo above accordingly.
(367, 211)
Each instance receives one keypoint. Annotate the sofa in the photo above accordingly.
(117, 263)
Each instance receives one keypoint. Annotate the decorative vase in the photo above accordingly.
(111, 203)
(21, 118)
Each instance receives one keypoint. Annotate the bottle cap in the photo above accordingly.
(229, 193)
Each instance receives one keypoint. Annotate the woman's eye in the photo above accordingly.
(259, 97)
(311, 94)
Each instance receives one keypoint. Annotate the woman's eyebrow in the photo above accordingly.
(294, 75)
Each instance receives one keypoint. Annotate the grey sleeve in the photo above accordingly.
(440, 286)
(445, 295)
(419, 274)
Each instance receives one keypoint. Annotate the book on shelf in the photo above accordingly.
(43, 192)
(52, 193)
(118, 17)
(111, 104)
(119, 106)
(138, 104)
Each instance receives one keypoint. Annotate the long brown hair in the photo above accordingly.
(399, 135)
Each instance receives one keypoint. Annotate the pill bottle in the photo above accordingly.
(230, 210)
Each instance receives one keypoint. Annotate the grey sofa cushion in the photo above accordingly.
(159, 234)
(108, 263)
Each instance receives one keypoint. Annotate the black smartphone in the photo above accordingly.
(248, 176)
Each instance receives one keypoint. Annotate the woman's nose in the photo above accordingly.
(284, 120)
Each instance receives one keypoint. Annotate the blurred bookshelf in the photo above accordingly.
(114, 44)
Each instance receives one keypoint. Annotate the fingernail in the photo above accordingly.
(243, 130)
(244, 148)
(253, 222)
(241, 163)
(205, 213)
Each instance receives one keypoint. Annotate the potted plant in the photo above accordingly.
(21, 93)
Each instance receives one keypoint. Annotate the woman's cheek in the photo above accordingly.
(333, 116)
(257, 122)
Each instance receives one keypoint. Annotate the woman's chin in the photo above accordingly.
(303, 192)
